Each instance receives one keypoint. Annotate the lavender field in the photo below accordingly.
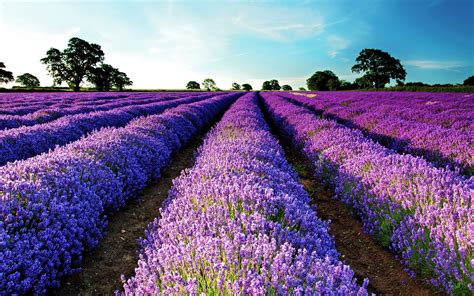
(237, 219)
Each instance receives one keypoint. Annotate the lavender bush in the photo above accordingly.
(239, 223)
(24, 142)
(423, 213)
(407, 126)
(54, 206)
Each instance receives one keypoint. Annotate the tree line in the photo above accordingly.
(210, 85)
(82, 61)
(378, 68)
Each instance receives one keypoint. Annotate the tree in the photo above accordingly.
(209, 84)
(102, 77)
(334, 84)
(271, 85)
(319, 80)
(363, 82)
(302, 89)
(246, 87)
(346, 85)
(105, 77)
(235, 86)
(5, 76)
(73, 64)
(193, 85)
(469, 81)
(28, 80)
(266, 85)
(286, 87)
(275, 85)
(400, 83)
(120, 80)
(379, 67)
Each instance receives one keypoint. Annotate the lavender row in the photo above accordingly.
(442, 146)
(423, 213)
(448, 110)
(32, 102)
(52, 113)
(54, 206)
(25, 142)
(239, 223)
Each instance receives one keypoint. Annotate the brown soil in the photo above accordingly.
(366, 257)
(117, 251)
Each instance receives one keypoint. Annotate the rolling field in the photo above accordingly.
(232, 193)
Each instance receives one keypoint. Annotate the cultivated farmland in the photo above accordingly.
(232, 192)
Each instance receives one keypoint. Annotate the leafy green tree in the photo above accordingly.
(246, 87)
(379, 67)
(105, 77)
(469, 81)
(5, 76)
(319, 80)
(286, 87)
(271, 85)
(346, 85)
(193, 85)
(334, 84)
(266, 85)
(363, 82)
(235, 86)
(28, 80)
(102, 77)
(400, 83)
(73, 64)
(120, 80)
(302, 89)
(275, 84)
(209, 84)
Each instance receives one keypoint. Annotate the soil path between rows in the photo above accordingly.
(117, 251)
(366, 257)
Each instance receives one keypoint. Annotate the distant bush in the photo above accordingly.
(271, 85)
(469, 81)
(235, 86)
(193, 85)
(246, 87)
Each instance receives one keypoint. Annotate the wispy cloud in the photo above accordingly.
(336, 44)
(435, 65)
(278, 23)
(433, 3)
(240, 54)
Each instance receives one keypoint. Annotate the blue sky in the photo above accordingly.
(164, 44)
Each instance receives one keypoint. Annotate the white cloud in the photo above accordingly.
(174, 44)
(435, 65)
(279, 23)
(336, 44)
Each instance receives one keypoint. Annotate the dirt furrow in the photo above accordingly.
(365, 256)
(117, 251)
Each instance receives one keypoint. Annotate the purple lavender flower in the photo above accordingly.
(239, 222)
(422, 212)
(54, 206)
